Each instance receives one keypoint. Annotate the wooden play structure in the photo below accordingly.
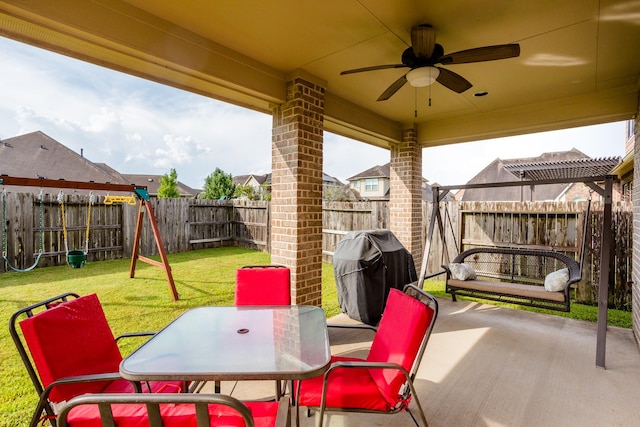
(139, 193)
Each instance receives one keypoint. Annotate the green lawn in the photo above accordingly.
(203, 277)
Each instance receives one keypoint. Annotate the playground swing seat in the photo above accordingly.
(76, 258)
(5, 233)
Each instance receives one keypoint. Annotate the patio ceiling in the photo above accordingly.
(578, 64)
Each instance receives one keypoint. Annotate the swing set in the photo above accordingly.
(78, 257)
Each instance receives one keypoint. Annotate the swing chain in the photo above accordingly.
(64, 222)
(92, 200)
(4, 222)
(5, 233)
(41, 222)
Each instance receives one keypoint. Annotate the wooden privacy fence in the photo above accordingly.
(187, 224)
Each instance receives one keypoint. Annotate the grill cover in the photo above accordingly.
(367, 264)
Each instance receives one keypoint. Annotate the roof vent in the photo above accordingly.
(42, 147)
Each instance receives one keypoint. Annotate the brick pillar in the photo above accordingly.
(296, 189)
(405, 207)
(635, 307)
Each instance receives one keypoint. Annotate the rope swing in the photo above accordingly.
(5, 233)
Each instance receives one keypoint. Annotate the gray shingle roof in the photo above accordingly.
(37, 155)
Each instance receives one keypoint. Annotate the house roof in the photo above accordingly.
(377, 171)
(559, 164)
(37, 155)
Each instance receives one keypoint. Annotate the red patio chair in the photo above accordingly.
(73, 352)
(171, 410)
(383, 382)
(263, 285)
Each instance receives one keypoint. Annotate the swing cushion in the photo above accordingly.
(557, 281)
(462, 271)
(74, 339)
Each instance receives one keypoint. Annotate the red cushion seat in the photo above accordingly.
(173, 415)
(263, 285)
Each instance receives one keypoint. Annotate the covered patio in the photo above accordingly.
(577, 66)
(492, 367)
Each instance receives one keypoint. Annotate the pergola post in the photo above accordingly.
(603, 287)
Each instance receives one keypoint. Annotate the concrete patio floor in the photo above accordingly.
(496, 367)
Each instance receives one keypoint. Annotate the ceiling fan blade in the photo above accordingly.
(372, 68)
(423, 39)
(479, 54)
(395, 86)
(453, 81)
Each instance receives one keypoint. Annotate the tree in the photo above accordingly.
(169, 185)
(218, 185)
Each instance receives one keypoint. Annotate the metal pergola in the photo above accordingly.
(605, 190)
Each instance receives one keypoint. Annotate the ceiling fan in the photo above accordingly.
(423, 56)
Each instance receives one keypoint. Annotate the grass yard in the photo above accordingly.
(203, 277)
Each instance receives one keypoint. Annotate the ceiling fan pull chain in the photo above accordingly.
(415, 102)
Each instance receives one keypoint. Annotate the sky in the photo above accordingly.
(141, 127)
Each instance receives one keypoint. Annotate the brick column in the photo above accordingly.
(405, 207)
(296, 189)
(635, 307)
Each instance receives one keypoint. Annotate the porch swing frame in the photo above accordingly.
(140, 192)
(605, 191)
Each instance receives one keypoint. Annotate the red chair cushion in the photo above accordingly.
(263, 285)
(174, 415)
(404, 323)
(347, 388)
(124, 386)
(72, 339)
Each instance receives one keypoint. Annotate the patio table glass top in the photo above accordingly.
(235, 343)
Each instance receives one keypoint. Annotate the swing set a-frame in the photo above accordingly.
(139, 192)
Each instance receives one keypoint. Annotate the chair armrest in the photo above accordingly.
(283, 418)
(353, 326)
(44, 396)
(448, 271)
(135, 334)
(366, 365)
(445, 270)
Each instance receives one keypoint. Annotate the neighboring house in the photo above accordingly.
(372, 184)
(375, 184)
(262, 183)
(546, 166)
(37, 155)
(625, 169)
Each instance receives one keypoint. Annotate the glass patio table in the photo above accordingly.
(235, 343)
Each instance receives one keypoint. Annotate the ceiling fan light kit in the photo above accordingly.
(424, 76)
